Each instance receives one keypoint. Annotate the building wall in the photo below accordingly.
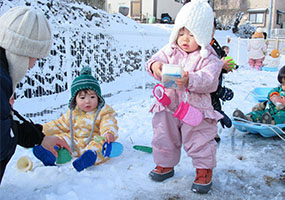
(225, 10)
(259, 3)
(171, 7)
(148, 9)
(279, 6)
(113, 5)
(276, 5)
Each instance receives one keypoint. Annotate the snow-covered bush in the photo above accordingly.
(245, 30)
(82, 35)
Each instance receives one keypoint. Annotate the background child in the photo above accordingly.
(275, 114)
(86, 126)
(189, 47)
(229, 67)
(265, 39)
(226, 50)
(257, 49)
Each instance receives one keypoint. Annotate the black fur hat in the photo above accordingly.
(281, 74)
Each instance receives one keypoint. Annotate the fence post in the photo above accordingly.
(238, 54)
(68, 60)
(142, 32)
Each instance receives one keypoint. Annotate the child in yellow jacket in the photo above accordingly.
(86, 126)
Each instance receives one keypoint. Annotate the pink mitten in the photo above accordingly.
(188, 114)
(159, 93)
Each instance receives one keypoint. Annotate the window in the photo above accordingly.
(278, 19)
(224, 2)
(181, 1)
(135, 9)
(280, 13)
(256, 18)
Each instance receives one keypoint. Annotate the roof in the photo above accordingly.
(281, 11)
(257, 10)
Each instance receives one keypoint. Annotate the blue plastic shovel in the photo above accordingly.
(114, 149)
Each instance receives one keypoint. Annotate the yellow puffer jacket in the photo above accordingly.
(82, 126)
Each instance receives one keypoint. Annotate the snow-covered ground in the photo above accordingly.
(251, 171)
(249, 168)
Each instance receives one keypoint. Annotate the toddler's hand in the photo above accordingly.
(227, 65)
(275, 98)
(110, 138)
(156, 68)
(281, 100)
(182, 82)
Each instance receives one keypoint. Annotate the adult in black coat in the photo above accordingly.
(222, 93)
(25, 36)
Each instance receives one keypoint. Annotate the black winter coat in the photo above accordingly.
(24, 133)
(215, 95)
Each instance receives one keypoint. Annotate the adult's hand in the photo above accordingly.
(50, 141)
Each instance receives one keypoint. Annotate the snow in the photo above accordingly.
(248, 166)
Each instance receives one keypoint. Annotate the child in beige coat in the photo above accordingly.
(257, 49)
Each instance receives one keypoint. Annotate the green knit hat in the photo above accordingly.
(82, 82)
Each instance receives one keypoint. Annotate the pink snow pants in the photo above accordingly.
(258, 63)
(169, 135)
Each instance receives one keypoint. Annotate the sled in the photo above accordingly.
(270, 69)
(260, 93)
(265, 130)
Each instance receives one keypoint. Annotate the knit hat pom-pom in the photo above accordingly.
(203, 52)
(85, 71)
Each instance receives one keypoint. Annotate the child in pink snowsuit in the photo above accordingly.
(189, 47)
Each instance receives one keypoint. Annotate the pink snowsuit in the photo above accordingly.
(169, 132)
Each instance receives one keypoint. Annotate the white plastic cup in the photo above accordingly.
(24, 164)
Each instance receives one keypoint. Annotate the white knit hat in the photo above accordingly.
(24, 33)
(198, 17)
